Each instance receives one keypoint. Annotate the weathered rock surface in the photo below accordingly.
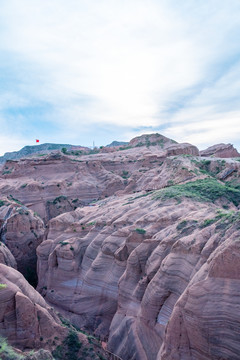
(152, 265)
(6, 256)
(182, 149)
(59, 183)
(221, 150)
(21, 230)
(204, 323)
(120, 268)
(28, 322)
(25, 318)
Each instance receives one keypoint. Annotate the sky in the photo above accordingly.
(78, 71)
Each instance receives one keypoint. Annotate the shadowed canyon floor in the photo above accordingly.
(138, 246)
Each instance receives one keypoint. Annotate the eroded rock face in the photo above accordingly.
(6, 256)
(21, 231)
(25, 318)
(204, 323)
(122, 267)
(142, 266)
(59, 183)
(221, 150)
(182, 149)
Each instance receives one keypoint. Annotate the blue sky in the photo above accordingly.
(79, 71)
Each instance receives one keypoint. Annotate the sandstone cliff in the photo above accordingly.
(137, 246)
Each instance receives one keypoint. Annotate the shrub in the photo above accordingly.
(181, 225)
(140, 231)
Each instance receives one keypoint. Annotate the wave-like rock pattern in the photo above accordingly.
(21, 230)
(122, 267)
(25, 318)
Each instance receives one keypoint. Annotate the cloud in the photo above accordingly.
(68, 68)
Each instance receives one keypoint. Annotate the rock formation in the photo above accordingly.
(6, 256)
(21, 231)
(221, 150)
(137, 246)
(25, 318)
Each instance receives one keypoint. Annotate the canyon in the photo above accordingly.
(135, 247)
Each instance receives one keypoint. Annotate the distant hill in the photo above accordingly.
(37, 149)
(117, 143)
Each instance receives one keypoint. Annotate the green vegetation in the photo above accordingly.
(63, 243)
(2, 203)
(70, 348)
(125, 174)
(201, 190)
(10, 197)
(7, 351)
(223, 219)
(208, 222)
(91, 223)
(59, 199)
(3, 286)
(140, 231)
(181, 225)
(23, 186)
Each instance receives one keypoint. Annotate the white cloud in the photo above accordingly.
(122, 62)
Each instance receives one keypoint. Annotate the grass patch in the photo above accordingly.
(201, 190)
(208, 222)
(224, 219)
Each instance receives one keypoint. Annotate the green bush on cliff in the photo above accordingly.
(207, 189)
(70, 348)
(140, 231)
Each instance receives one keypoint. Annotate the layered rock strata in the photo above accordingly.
(21, 230)
(221, 150)
(120, 268)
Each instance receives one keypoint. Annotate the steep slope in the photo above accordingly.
(21, 231)
(28, 322)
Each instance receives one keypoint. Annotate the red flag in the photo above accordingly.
(37, 141)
